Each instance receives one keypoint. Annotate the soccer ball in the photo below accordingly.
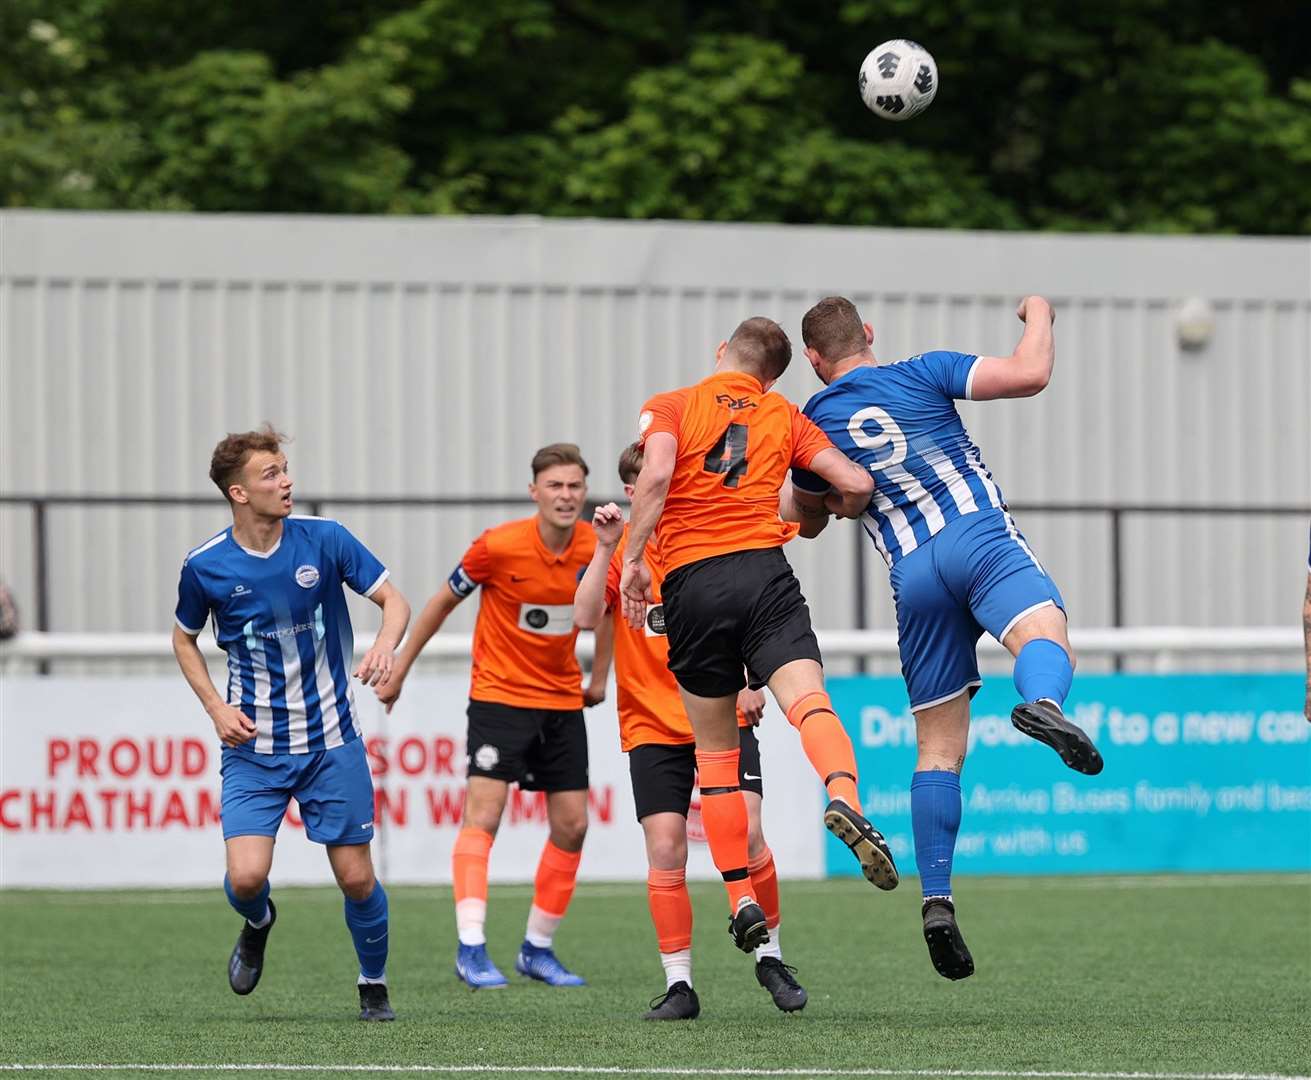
(898, 80)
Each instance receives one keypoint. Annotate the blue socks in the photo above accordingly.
(367, 921)
(935, 820)
(1042, 670)
(256, 909)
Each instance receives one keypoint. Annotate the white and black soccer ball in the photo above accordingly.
(898, 79)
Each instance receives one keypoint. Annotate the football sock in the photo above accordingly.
(671, 912)
(935, 808)
(557, 871)
(764, 877)
(1043, 670)
(678, 967)
(469, 876)
(367, 921)
(770, 947)
(724, 818)
(255, 909)
(827, 746)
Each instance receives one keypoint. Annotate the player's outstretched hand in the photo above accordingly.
(234, 727)
(635, 592)
(376, 666)
(1022, 312)
(608, 521)
(752, 704)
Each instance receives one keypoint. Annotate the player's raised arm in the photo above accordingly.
(1028, 370)
(660, 454)
(589, 598)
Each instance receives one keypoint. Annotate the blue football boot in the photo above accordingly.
(475, 967)
(542, 965)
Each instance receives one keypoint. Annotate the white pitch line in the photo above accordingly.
(620, 1070)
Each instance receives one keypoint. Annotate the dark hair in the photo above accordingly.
(559, 453)
(833, 329)
(232, 453)
(630, 463)
(761, 347)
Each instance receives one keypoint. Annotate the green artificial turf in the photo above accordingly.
(1182, 975)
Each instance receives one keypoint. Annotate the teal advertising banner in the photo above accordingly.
(1203, 773)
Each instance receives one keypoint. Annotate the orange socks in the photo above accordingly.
(553, 889)
(724, 817)
(671, 909)
(826, 745)
(469, 875)
(765, 878)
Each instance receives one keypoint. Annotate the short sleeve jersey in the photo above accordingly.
(735, 445)
(523, 641)
(650, 708)
(900, 422)
(281, 617)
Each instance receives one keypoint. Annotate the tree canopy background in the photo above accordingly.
(1160, 115)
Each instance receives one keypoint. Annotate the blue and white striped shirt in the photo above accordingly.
(900, 422)
(281, 617)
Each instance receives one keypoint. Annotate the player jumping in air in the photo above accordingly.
(288, 720)
(959, 564)
(525, 708)
(655, 734)
(716, 456)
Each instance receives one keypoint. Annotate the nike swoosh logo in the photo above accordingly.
(375, 940)
(748, 776)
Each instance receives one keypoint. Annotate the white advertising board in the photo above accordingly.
(115, 782)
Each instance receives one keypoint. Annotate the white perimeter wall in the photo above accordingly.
(417, 356)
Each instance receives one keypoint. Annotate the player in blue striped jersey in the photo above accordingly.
(959, 565)
(287, 717)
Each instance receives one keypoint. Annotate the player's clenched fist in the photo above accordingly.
(635, 592)
(234, 727)
(1036, 303)
(608, 521)
(389, 689)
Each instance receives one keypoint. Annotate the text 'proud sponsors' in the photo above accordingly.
(1203, 772)
(116, 782)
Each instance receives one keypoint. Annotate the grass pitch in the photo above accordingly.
(1120, 975)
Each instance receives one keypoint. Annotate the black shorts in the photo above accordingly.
(662, 775)
(742, 609)
(542, 749)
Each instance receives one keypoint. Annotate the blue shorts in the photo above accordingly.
(333, 789)
(977, 574)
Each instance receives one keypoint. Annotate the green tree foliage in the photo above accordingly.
(1162, 115)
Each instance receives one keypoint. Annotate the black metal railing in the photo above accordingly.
(1115, 513)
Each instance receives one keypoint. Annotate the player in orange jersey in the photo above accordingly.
(655, 733)
(717, 456)
(525, 707)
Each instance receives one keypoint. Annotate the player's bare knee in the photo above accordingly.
(569, 832)
(247, 881)
(357, 882)
(667, 852)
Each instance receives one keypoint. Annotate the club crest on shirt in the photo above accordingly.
(644, 422)
(307, 576)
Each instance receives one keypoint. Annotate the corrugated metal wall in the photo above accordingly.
(421, 356)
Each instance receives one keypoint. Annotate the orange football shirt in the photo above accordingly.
(735, 446)
(650, 708)
(523, 641)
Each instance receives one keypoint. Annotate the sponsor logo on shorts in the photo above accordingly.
(307, 576)
(748, 776)
(240, 590)
(367, 825)
(655, 620)
(486, 756)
